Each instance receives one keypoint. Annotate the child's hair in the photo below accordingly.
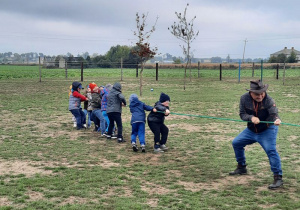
(132, 96)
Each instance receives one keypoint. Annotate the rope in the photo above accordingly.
(226, 119)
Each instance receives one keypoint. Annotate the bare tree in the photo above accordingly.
(142, 48)
(183, 30)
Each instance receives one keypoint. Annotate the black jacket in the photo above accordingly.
(157, 117)
(265, 111)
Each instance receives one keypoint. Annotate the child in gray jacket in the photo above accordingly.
(115, 101)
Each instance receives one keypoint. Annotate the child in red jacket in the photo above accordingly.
(74, 105)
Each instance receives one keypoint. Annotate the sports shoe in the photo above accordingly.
(240, 170)
(143, 148)
(113, 136)
(108, 137)
(163, 147)
(121, 140)
(158, 150)
(134, 147)
(84, 125)
(74, 125)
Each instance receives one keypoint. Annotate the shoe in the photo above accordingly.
(143, 148)
(278, 182)
(113, 136)
(104, 134)
(74, 125)
(108, 137)
(163, 147)
(121, 140)
(240, 170)
(134, 147)
(84, 125)
(158, 150)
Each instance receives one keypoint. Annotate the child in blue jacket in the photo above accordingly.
(138, 120)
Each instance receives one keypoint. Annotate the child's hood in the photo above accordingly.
(117, 86)
(134, 100)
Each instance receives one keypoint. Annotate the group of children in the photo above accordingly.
(104, 107)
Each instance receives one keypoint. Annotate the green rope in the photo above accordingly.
(226, 119)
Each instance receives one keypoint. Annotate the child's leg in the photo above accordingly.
(106, 119)
(89, 120)
(141, 133)
(155, 128)
(102, 122)
(77, 116)
(83, 117)
(164, 130)
(111, 123)
(118, 120)
(134, 132)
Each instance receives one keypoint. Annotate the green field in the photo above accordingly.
(46, 164)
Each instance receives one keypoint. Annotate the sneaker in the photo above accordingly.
(158, 150)
(121, 140)
(134, 147)
(163, 147)
(143, 148)
(84, 125)
(104, 134)
(108, 137)
(74, 124)
(113, 136)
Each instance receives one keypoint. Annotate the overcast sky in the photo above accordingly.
(57, 27)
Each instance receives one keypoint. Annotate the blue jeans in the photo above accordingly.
(267, 139)
(80, 117)
(104, 113)
(138, 129)
(89, 115)
(98, 118)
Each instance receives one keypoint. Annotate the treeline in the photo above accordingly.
(282, 58)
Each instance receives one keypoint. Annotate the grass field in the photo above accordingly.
(46, 164)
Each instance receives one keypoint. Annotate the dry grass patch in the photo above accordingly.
(154, 189)
(21, 167)
(218, 184)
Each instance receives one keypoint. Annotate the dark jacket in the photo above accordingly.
(157, 117)
(96, 101)
(265, 111)
(137, 109)
(115, 98)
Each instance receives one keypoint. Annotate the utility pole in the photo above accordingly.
(244, 49)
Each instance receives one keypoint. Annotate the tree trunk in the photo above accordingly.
(141, 79)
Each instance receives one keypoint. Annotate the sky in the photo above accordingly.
(253, 29)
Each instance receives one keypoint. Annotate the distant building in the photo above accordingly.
(287, 52)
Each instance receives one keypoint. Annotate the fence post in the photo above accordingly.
(277, 71)
(253, 69)
(220, 72)
(156, 67)
(121, 69)
(239, 71)
(81, 71)
(261, 70)
(283, 73)
(66, 69)
(40, 69)
(198, 69)
(137, 69)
